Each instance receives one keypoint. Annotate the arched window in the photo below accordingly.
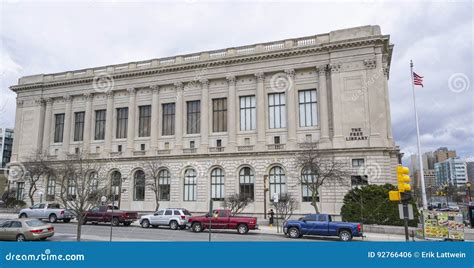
(246, 182)
(139, 186)
(277, 181)
(71, 188)
(308, 181)
(190, 185)
(94, 182)
(217, 184)
(51, 188)
(116, 184)
(164, 185)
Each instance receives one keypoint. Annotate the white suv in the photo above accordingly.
(173, 217)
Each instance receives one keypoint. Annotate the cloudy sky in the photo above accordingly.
(44, 37)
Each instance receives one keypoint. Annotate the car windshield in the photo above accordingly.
(34, 223)
(186, 212)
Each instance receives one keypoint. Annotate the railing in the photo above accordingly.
(274, 46)
(163, 151)
(192, 58)
(216, 149)
(245, 148)
(189, 150)
(139, 153)
(276, 146)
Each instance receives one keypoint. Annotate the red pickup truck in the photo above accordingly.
(106, 214)
(222, 219)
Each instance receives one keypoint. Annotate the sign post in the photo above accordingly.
(275, 201)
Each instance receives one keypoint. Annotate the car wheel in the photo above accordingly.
(242, 229)
(293, 232)
(174, 225)
(145, 224)
(53, 218)
(345, 235)
(197, 227)
(67, 220)
(115, 221)
(23, 215)
(20, 238)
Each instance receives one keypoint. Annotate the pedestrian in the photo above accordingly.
(272, 214)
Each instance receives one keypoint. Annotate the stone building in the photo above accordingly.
(220, 121)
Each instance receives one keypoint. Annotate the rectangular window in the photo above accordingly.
(51, 189)
(122, 123)
(359, 162)
(276, 110)
(308, 108)
(164, 185)
(193, 121)
(219, 115)
(79, 126)
(192, 144)
(168, 119)
(144, 121)
(276, 140)
(248, 119)
(119, 148)
(99, 125)
(71, 189)
(58, 127)
(142, 147)
(20, 190)
(218, 143)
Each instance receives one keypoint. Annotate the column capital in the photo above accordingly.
(204, 82)
(88, 96)
(370, 63)
(260, 76)
(39, 101)
(67, 98)
(19, 103)
(131, 90)
(155, 89)
(48, 100)
(109, 94)
(322, 69)
(290, 73)
(179, 85)
(231, 79)
(335, 67)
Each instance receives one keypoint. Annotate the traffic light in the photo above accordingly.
(394, 196)
(403, 179)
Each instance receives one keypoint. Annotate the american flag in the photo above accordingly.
(417, 80)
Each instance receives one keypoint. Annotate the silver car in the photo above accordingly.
(51, 211)
(25, 229)
(173, 217)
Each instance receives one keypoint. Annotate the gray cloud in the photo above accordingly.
(53, 37)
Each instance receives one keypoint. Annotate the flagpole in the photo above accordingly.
(420, 158)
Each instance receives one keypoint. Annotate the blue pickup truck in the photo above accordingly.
(321, 224)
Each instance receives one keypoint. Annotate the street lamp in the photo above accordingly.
(468, 184)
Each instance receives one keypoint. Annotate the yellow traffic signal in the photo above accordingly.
(394, 196)
(403, 179)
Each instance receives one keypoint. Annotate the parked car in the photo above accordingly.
(106, 214)
(53, 212)
(321, 224)
(25, 229)
(222, 219)
(173, 217)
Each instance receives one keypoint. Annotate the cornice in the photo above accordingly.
(235, 59)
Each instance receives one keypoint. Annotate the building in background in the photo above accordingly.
(470, 171)
(451, 171)
(442, 154)
(6, 144)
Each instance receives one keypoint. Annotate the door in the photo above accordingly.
(165, 219)
(321, 225)
(93, 214)
(14, 229)
(155, 219)
(35, 211)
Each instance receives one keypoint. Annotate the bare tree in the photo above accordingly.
(285, 206)
(35, 167)
(152, 169)
(319, 170)
(80, 187)
(236, 203)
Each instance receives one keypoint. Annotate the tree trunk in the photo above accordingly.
(157, 199)
(79, 229)
(314, 198)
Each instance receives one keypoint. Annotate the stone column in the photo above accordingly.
(323, 104)
(67, 124)
(48, 129)
(292, 118)
(232, 121)
(204, 115)
(336, 90)
(40, 119)
(155, 107)
(386, 72)
(87, 122)
(375, 86)
(18, 126)
(261, 122)
(131, 121)
(109, 123)
(178, 132)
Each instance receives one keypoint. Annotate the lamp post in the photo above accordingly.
(265, 190)
(468, 184)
